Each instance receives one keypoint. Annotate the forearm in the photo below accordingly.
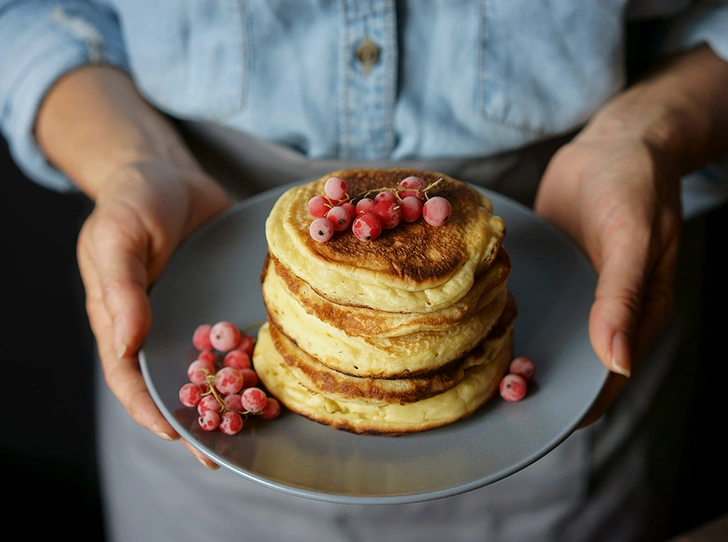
(680, 110)
(93, 121)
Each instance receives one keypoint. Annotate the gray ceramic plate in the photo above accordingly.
(215, 276)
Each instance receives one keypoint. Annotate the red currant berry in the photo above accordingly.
(364, 205)
(321, 229)
(335, 188)
(231, 423)
(199, 369)
(411, 208)
(201, 337)
(389, 214)
(366, 227)
(416, 184)
(247, 344)
(436, 211)
(228, 380)
(512, 387)
(339, 218)
(318, 206)
(387, 196)
(350, 208)
(253, 400)
(208, 403)
(272, 409)
(209, 421)
(224, 336)
(208, 355)
(524, 367)
(190, 394)
(250, 378)
(237, 359)
(233, 402)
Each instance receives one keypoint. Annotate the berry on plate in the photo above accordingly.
(522, 366)
(224, 336)
(512, 387)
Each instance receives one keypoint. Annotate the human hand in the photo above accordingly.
(142, 213)
(149, 194)
(615, 189)
(619, 200)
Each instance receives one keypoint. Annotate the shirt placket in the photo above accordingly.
(368, 79)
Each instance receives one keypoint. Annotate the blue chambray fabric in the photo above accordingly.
(454, 78)
(39, 42)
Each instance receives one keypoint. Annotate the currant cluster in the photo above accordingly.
(223, 384)
(514, 385)
(375, 210)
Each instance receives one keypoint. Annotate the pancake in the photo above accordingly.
(414, 267)
(407, 332)
(364, 321)
(381, 357)
(320, 379)
(478, 384)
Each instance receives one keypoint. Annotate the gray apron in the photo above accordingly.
(602, 483)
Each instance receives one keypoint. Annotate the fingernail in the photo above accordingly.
(163, 436)
(120, 340)
(211, 466)
(620, 354)
(121, 352)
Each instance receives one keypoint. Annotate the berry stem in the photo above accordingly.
(211, 383)
(372, 191)
(251, 327)
(397, 190)
(430, 187)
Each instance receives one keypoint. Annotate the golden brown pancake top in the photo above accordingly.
(414, 252)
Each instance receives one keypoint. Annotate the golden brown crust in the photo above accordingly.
(364, 321)
(319, 378)
(413, 252)
(479, 384)
(398, 356)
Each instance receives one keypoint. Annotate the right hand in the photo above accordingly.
(141, 215)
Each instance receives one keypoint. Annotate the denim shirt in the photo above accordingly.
(341, 79)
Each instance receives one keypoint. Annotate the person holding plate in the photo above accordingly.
(166, 113)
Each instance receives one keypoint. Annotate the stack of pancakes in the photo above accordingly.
(408, 332)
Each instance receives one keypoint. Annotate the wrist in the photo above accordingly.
(94, 122)
(679, 112)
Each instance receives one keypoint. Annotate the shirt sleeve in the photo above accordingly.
(705, 23)
(40, 41)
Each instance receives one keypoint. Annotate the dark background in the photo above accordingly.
(47, 442)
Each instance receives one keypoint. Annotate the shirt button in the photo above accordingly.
(368, 54)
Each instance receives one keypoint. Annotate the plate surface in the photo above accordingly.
(215, 275)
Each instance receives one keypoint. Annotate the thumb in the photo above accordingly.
(115, 279)
(123, 278)
(617, 306)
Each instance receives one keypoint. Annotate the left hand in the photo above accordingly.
(615, 189)
(620, 201)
